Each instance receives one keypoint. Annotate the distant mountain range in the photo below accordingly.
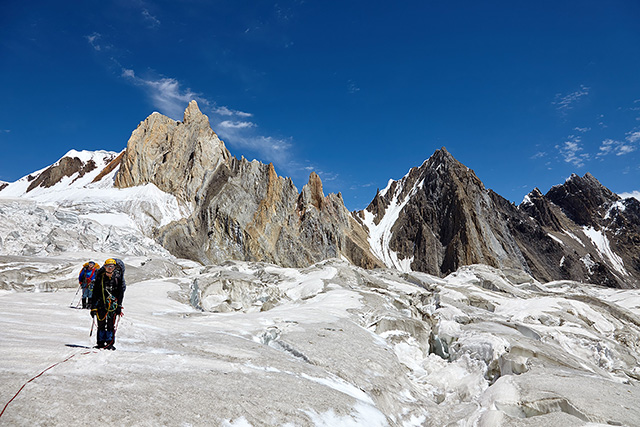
(435, 219)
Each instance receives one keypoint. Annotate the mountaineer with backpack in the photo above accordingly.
(106, 301)
(86, 278)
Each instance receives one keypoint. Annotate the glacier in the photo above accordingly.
(253, 344)
(331, 344)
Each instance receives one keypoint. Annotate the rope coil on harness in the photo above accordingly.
(112, 305)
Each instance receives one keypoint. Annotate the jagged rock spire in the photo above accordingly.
(175, 156)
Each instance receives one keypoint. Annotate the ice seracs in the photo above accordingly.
(331, 344)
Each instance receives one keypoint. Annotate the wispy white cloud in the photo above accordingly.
(225, 111)
(270, 149)
(236, 125)
(601, 122)
(152, 21)
(166, 94)
(633, 137)
(539, 155)
(607, 147)
(564, 103)
(625, 149)
(93, 40)
(582, 130)
(571, 151)
(359, 186)
(619, 148)
(352, 88)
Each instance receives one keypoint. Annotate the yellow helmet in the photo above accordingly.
(110, 261)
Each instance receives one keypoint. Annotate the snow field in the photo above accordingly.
(333, 346)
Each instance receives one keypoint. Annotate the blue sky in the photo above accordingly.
(522, 92)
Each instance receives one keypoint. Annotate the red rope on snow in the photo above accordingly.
(24, 385)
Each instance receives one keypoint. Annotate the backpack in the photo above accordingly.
(120, 272)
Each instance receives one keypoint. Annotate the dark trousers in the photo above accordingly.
(106, 328)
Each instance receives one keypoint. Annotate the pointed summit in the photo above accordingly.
(581, 198)
(193, 113)
(312, 194)
(176, 157)
(442, 154)
(438, 217)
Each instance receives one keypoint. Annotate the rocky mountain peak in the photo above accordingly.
(536, 205)
(178, 157)
(193, 114)
(436, 218)
(535, 193)
(311, 194)
(582, 198)
(239, 209)
(65, 167)
(439, 171)
(442, 156)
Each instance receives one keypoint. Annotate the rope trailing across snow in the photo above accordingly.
(52, 366)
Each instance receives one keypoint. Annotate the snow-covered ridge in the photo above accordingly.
(100, 158)
(139, 208)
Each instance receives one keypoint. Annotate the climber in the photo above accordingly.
(86, 278)
(106, 301)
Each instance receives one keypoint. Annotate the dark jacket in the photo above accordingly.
(105, 287)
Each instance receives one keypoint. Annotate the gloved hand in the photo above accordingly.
(94, 312)
(118, 310)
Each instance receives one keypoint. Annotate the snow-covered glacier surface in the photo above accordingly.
(251, 344)
(77, 214)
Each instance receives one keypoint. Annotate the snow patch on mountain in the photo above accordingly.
(574, 237)
(380, 234)
(634, 194)
(618, 206)
(556, 239)
(599, 239)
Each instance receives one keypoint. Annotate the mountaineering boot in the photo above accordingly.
(110, 347)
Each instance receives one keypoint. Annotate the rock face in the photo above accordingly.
(66, 167)
(177, 157)
(438, 218)
(241, 210)
(580, 230)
